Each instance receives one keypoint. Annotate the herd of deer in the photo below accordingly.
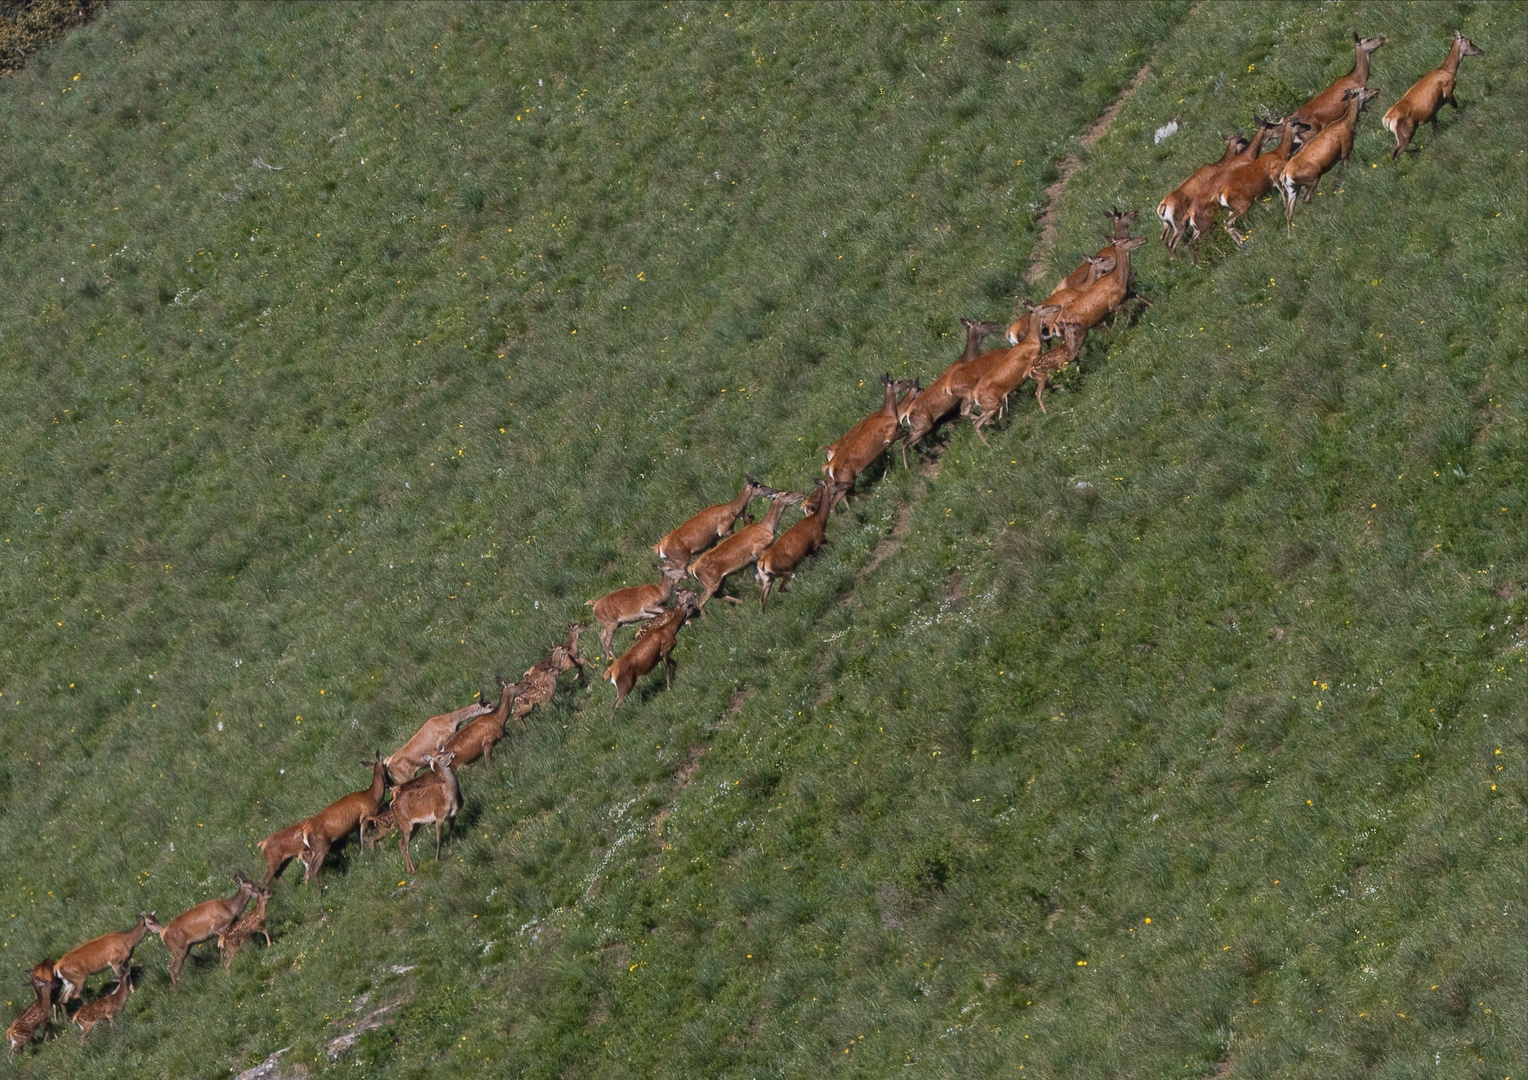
(723, 539)
(1290, 156)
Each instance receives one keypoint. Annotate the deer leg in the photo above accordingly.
(669, 670)
(405, 828)
(1040, 394)
(437, 839)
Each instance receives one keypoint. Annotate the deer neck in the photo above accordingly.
(1360, 72)
(135, 935)
(973, 344)
(501, 711)
(1122, 266)
(378, 783)
(890, 408)
(772, 519)
(1286, 141)
(240, 899)
(666, 588)
(1455, 54)
(1033, 337)
(739, 504)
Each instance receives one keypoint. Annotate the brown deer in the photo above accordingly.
(106, 1007)
(1422, 102)
(33, 1018)
(1093, 267)
(45, 973)
(404, 762)
(1174, 207)
(249, 923)
(1249, 181)
(1106, 295)
(920, 415)
(739, 549)
(279, 848)
(1055, 359)
(655, 642)
(867, 440)
(540, 679)
(341, 818)
(478, 738)
(1077, 282)
(990, 396)
(434, 797)
(1331, 144)
(1330, 105)
(112, 950)
(197, 924)
(708, 526)
(380, 825)
(1206, 204)
(778, 562)
(633, 604)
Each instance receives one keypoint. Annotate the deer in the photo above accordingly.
(708, 526)
(1174, 207)
(434, 797)
(1329, 106)
(33, 1017)
(739, 549)
(1206, 204)
(404, 762)
(778, 562)
(197, 924)
(380, 825)
(991, 394)
(1249, 181)
(1093, 267)
(340, 818)
(1077, 282)
(1421, 103)
(920, 415)
(477, 739)
(867, 440)
(1106, 295)
(280, 847)
(106, 1007)
(633, 604)
(1055, 359)
(249, 923)
(540, 679)
(45, 973)
(1330, 145)
(655, 642)
(112, 950)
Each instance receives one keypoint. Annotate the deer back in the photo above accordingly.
(405, 761)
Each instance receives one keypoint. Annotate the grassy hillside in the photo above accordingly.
(349, 349)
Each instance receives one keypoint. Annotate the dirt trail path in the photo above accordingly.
(1070, 164)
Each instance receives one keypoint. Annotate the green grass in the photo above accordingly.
(1229, 640)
